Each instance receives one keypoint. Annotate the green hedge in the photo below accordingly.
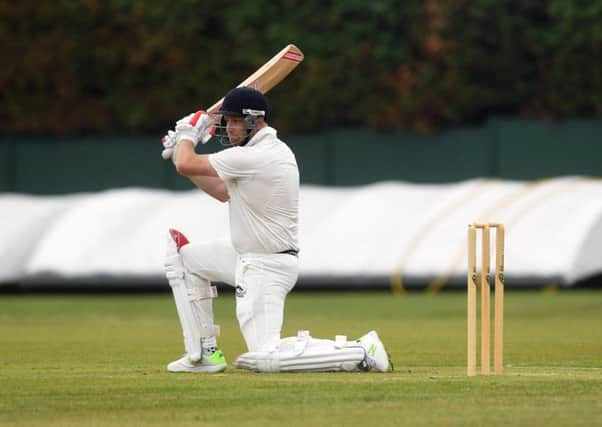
(131, 66)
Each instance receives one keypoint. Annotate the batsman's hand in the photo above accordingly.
(194, 127)
(169, 142)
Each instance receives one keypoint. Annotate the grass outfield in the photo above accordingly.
(99, 360)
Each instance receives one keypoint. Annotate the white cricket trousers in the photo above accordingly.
(262, 282)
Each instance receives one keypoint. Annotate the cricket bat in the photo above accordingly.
(265, 78)
(271, 73)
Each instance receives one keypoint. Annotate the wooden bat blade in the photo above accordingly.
(271, 73)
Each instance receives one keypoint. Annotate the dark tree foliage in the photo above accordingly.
(118, 66)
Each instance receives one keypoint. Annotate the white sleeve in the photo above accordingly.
(234, 162)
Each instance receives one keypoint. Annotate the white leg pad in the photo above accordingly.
(193, 297)
(192, 337)
(200, 296)
(305, 354)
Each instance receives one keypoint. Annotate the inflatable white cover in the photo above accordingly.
(409, 234)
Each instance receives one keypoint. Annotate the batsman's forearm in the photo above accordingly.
(183, 157)
(213, 186)
(188, 163)
(199, 170)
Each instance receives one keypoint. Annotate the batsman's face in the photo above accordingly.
(235, 127)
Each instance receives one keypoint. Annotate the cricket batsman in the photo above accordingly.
(257, 175)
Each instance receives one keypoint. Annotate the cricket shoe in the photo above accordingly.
(376, 355)
(210, 362)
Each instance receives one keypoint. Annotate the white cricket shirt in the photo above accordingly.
(263, 183)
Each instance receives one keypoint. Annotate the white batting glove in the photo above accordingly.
(169, 142)
(194, 127)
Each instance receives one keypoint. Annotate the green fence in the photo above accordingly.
(504, 148)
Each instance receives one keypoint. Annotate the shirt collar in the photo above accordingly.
(262, 134)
